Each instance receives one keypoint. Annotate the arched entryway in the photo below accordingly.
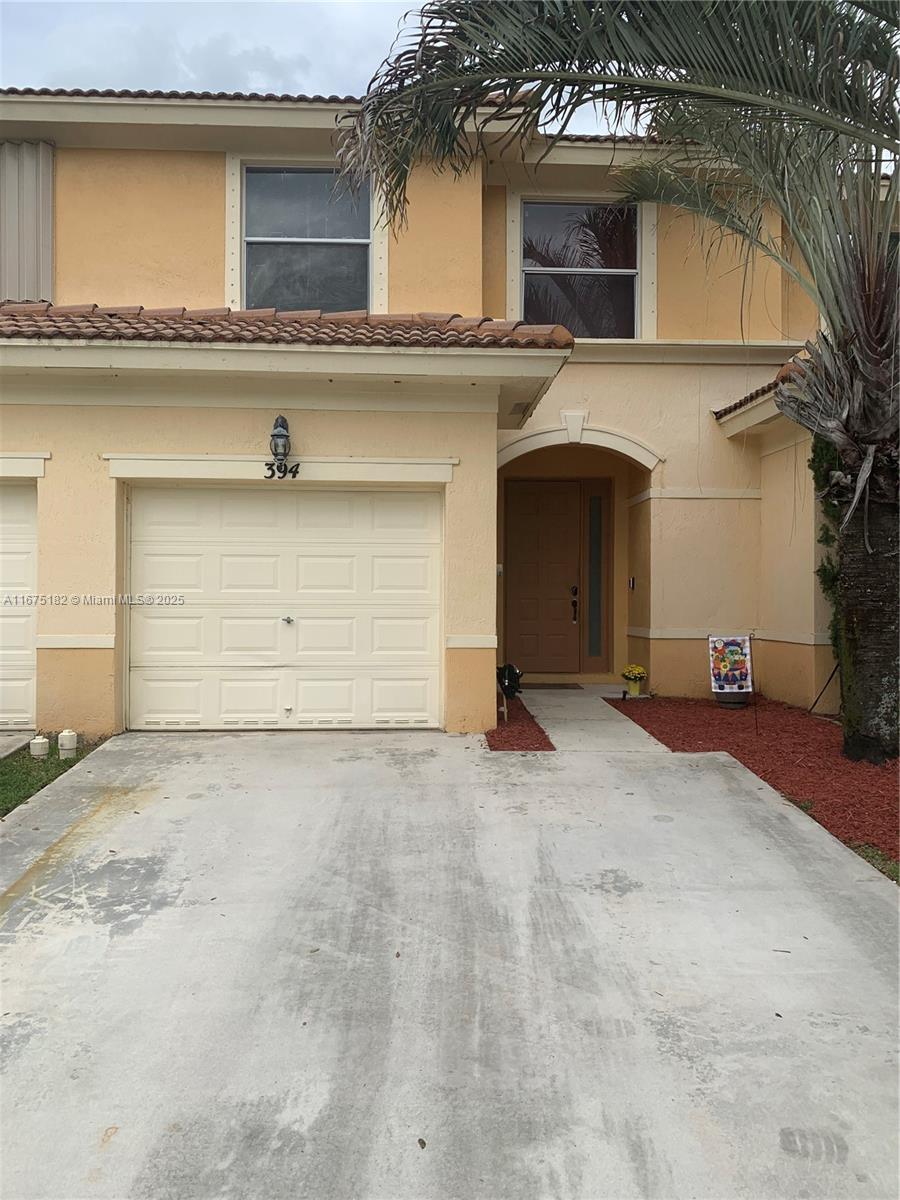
(573, 557)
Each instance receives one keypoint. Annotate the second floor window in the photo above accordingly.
(579, 265)
(305, 247)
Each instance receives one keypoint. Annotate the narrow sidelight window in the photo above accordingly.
(579, 264)
(305, 246)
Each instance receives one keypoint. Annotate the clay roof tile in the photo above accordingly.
(267, 326)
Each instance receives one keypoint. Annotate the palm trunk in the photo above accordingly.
(868, 633)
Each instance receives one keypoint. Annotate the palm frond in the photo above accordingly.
(466, 71)
(822, 209)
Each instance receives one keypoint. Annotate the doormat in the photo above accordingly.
(520, 732)
(554, 687)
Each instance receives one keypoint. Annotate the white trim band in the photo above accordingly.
(75, 641)
(606, 439)
(252, 467)
(23, 466)
(711, 493)
(471, 641)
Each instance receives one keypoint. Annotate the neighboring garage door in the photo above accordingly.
(18, 580)
(302, 609)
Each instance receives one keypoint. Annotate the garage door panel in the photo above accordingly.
(249, 697)
(300, 608)
(160, 634)
(400, 514)
(18, 624)
(174, 513)
(407, 636)
(259, 574)
(327, 635)
(327, 574)
(16, 569)
(17, 635)
(403, 699)
(328, 700)
(328, 515)
(18, 510)
(168, 698)
(17, 697)
(152, 571)
(259, 636)
(408, 574)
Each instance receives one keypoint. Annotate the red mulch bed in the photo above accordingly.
(520, 732)
(797, 754)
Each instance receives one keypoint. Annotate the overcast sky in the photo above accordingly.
(254, 45)
(304, 46)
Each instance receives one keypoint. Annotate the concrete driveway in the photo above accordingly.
(397, 966)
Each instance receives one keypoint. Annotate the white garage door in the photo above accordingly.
(302, 609)
(18, 580)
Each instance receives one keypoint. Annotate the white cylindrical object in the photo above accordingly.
(67, 743)
(39, 746)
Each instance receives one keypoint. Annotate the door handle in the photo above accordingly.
(288, 620)
(574, 592)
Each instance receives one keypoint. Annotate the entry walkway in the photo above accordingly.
(582, 720)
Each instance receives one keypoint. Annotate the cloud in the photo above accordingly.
(247, 68)
(263, 46)
(204, 45)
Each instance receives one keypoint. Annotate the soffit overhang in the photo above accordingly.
(516, 378)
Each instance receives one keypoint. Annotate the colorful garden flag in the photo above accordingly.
(730, 668)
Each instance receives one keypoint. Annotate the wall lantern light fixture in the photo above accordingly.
(280, 440)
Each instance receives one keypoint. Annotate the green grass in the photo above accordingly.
(880, 861)
(21, 776)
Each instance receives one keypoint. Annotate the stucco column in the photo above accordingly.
(470, 584)
(79, 577)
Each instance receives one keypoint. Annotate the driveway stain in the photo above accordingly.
(614, 882)
(16, 1031)
(227, 1154)
(107, 808)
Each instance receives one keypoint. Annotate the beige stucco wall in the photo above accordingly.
(788, 511)
(81, 546)
(703, 290)
(148, 227)
(494, 268)
(470, 690)
(791, 603)
(434, 261)
(79, 689)
(725, 539)
(666, 406)
(139, 227)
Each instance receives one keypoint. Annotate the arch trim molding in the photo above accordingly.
(591, 435)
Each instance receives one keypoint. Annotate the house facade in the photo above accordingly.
(533, 425)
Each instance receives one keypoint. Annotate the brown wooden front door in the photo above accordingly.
(543, 565)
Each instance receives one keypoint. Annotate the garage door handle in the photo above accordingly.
(288, 620)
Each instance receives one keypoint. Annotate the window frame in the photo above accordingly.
(237, 241)
(644, 273)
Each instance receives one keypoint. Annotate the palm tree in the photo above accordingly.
(788, 105)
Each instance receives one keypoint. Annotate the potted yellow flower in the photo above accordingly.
(634, 675)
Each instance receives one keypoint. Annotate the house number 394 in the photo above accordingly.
(280, 470)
